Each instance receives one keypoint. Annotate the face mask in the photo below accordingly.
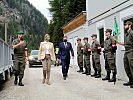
(65, 40)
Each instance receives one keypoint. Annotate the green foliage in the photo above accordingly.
(62, 12)
(28, 19)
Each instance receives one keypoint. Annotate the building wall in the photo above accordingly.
(108, 22)
(79, 32)
(97, 7)
(93, 24)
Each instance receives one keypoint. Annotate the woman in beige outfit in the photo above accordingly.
(46, 54)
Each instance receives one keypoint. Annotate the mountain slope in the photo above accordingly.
(24, 16)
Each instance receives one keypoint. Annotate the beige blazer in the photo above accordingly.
(42, 51)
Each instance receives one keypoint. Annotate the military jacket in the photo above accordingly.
(108, 44)
(20, 50)
(86, 47)
(128, 40)
(79, 49)
(94, 46)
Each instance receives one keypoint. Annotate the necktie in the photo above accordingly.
(65, 44)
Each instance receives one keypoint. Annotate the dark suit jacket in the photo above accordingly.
(64, 52)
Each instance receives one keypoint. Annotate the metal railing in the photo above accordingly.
(6, 62)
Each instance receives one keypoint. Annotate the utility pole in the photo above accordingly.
(5, 27)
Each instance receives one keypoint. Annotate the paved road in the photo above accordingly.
(76, 87)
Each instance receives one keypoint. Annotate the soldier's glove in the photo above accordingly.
(99, 49)
(89, 50)
(114, 48)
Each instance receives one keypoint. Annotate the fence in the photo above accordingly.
(6, 62)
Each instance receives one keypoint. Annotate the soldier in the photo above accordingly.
(20, 52)
(80, 55)
(96, 49)
(110, 49)
(87, 53)
(128, 56)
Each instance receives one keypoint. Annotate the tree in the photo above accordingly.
(62, 12)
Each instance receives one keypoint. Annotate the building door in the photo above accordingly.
(101, 37)
(71, 60)
(75, 50)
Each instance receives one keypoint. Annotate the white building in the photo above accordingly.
(100, 16)
(76, 29)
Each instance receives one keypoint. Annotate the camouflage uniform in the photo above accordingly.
(80, 57)
(128, 56)
(87, 59)
(110, 58)
(96, 58)
(109, 55)
(19, 59)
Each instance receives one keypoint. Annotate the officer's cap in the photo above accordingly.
(94, 35)
(128, 23)
(78, 39)
(20, 32)
(85, 38)
(108, 30)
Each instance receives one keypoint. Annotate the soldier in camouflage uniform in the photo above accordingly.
(110, 49)
(80, 55)
(20, 52)
(87, 53)
(128, 56)
(96, 49)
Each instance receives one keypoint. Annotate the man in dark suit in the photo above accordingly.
(64, 54)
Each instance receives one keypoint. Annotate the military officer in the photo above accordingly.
(80, 55)
(96, 49)
(128, 56)
(20, 53)
(110, 49)
(87, 53)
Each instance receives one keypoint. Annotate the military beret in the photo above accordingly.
(85, 38)
(78, 39)
(20, 32)
(94, 35)
(128, 23)
(108, 30)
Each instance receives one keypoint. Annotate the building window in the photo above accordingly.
(101, 36)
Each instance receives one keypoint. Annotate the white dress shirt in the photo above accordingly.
(47, 48)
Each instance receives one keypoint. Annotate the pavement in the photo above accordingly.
(76, 87)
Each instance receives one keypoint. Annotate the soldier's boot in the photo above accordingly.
(131, 86)
(20, 82)
(16, 80)
(79, 69)
(82, 69)
(95, 74)
(98, 75)
(85, 72)
(113, 78)
(48, 77)
(88, 72)
(129, 83)
(44, 76)
(107, 77)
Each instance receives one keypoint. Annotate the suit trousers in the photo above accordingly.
(65, 66)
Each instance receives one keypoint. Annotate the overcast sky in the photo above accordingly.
(42, 5)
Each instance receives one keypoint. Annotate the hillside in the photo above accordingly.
(21, 15)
